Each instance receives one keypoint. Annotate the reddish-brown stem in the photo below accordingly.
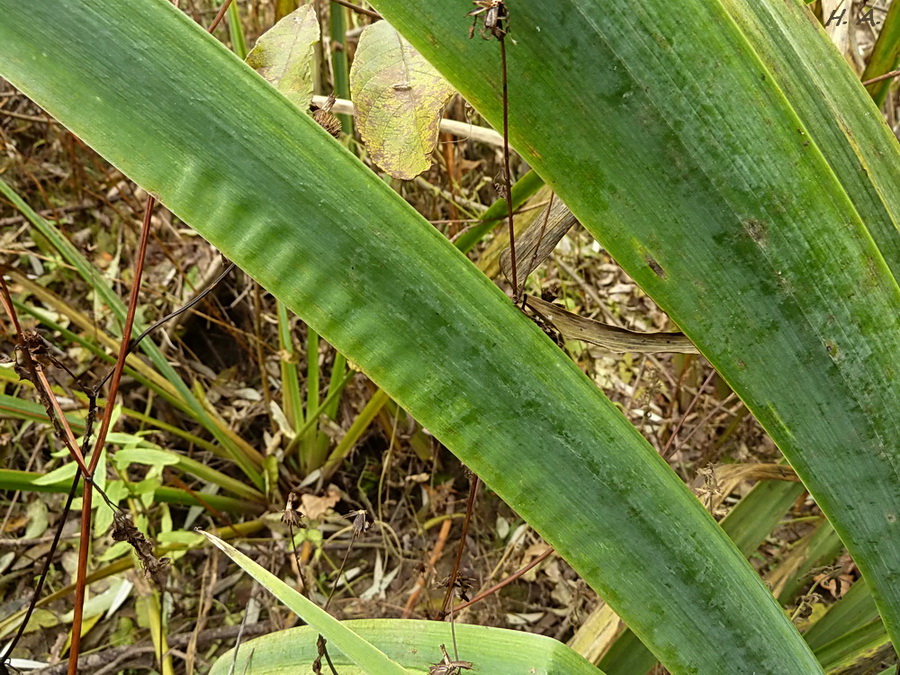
(84, 543)
(81, 580)
(358, 9)
(126, 337)
(511, 578)
(36, 372)
(8, 306)
(886, 76)
(506, 173)
(219, 16)
(451, 581)
(69, 437)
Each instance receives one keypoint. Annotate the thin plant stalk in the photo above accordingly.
(337, 25)
(87, 494)
(360, 424)
(290, 378)
(312, 454)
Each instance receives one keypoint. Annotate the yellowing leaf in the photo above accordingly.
(399, 97)
(283, 55)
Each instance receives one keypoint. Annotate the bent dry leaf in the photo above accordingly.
(538, 240)
(399, 98)
(615, 339)
(283, 55)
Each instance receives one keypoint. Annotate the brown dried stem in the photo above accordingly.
(84, 543)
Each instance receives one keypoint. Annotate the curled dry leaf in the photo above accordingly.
(399, 97)
(612, 338)
(538, 240)
(283, 55)
(314, 507)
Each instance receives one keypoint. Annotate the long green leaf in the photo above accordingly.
(665, 132)
(286, 202)
(416, 646)
(748, 524)
(361, 652)
(835, 111)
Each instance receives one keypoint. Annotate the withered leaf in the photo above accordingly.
(612, 338)
(399, 97)
(283, 55)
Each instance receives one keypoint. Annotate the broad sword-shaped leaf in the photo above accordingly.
(167, 104)
(663, 127)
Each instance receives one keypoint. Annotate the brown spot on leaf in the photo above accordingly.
(756, 229)
(656, 267)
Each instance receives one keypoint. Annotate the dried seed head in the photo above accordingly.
(360, 522)
(291, 516)
(326, 119)
(463, 584)
(328, 122)
(125, 530)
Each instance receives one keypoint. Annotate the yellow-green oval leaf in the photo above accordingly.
(399, 97)
(283, 55)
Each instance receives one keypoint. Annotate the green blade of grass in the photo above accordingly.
(25, 480)
(236, 31)
(314, 447)
(291, 400)
(356, 430)
(522, 189)
(337, 31)
(855, 647)
(8, 406)
(336, 383)
(16, 408)
(282, 199)
(885, 55)
(852, 611)
(360, 651)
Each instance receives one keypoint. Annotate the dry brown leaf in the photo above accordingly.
(314, 506)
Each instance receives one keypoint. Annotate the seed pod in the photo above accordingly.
(326, 119)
